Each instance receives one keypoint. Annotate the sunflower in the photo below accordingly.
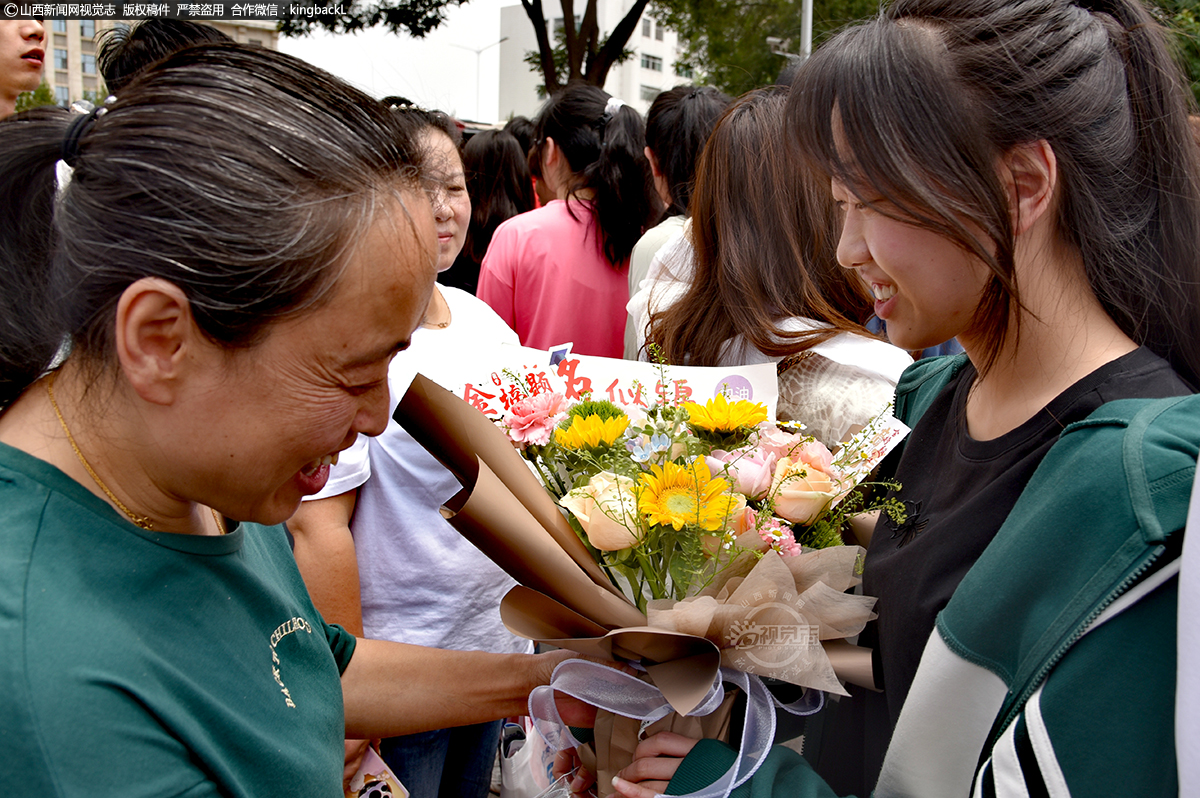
(720, 415)
(684, 494)
(592, 432)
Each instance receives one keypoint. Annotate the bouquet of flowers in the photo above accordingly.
(699, 541)
(670, 497)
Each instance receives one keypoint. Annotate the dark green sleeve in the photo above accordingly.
(921, 383)
(342, 644)
(783, 773)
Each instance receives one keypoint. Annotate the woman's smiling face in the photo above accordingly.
(269, 418)
(926, 288)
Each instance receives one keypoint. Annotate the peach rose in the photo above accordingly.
(800, 490)
(607, 510)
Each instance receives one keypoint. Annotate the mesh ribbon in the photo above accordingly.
(624, 694)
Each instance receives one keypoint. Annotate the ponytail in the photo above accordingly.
(1160, 305)
(603, 141)
(31, 327)
(620, 178)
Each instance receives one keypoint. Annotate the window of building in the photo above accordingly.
(89, 63)
(658, 31)
(60, 59)
(62, 96)
(558, 25)
(58, 25)
(646, 27)
(87, 28)
(254, 42)
(651, 62)
(649, 93)
(685, 72)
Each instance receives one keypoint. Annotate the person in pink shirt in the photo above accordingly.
(557, 274)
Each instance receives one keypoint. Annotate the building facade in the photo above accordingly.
(71, 52)
(636, 81)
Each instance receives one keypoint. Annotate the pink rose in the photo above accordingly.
(533, 419)
(749, 471)
(800, 491)
(816, 454)
(773, 440)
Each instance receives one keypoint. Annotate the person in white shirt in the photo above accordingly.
(374, 550)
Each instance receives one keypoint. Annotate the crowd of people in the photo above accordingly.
(224, 570)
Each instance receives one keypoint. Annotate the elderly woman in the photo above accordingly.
(192, 330)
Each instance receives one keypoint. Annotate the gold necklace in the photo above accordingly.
(439, 325)
(139, 520)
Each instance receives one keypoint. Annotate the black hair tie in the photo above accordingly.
(79, 126)
(610, 110)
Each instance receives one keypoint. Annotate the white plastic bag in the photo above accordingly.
(526, 763)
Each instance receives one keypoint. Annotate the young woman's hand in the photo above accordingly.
(655, 761)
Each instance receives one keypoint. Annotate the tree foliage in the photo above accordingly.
(577, 52)
(726, 40)
(1183, 16)
(42, 95)
(415, 17)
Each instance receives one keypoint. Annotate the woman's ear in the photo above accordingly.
(154, 331)
(1031, 174)
(556, 171)
(660, 180)
(549, 154)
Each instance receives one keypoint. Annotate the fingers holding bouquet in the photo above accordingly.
(655, 761)
(654, 764)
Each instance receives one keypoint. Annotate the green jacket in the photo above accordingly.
(1052, 669)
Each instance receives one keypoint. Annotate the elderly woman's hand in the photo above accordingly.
(654, 764)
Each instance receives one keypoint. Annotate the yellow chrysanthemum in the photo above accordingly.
(684, 495)
(720, 415)
(591, 432)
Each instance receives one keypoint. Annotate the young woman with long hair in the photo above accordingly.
(678, 125)
(1020, 176)
(754, 279)
(558, 274)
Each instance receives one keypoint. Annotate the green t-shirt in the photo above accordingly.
(139, 663)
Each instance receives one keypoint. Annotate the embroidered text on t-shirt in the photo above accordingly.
(285, 629)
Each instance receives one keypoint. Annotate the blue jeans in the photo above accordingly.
(448, 763)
